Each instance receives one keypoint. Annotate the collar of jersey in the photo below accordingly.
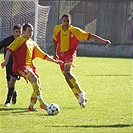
(26, 37)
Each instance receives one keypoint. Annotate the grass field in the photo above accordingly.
(108, 86)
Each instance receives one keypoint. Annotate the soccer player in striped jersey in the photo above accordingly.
(66, 38)
(12, 92)
(24, 50)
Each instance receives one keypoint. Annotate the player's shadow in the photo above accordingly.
(107, 126)
(99, 126)
(110, 75)
(14, 110)
(20, 111)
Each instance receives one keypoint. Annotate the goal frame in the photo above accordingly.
(36, 15)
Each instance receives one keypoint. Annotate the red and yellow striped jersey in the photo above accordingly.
(24, 51)
(68, 39)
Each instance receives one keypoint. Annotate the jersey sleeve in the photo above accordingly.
(54, 35)
(15, 44)
(2, 44)
(38, 52)
(56, 30)
(81, 34)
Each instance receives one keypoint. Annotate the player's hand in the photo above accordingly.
(56, 57)
(59, 62)
(107, 42)
(3, 64)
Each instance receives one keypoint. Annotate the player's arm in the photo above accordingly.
(55, 31)
(48, 58)
(4, 63)
(39, 53)
(55, 56)
(98, 38)
(2, 44)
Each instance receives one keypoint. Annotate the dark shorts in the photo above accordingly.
(10, 74)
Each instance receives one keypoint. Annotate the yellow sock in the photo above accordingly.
(33, 99)
(76, 87)
(75, 92)
(37, 91)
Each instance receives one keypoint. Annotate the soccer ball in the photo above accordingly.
(53, 109)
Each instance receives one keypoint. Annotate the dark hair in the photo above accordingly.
(18, 26)
(67, 15)
(27, 25)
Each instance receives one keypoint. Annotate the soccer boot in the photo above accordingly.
(82, 99)
(32, 110)
(43, 107)
(7, 104)
(14, 97)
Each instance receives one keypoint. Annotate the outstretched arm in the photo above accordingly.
(48, 58)
(95, 37)
(2, 44)
(8, 53)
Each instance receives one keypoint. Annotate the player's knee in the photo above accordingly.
(32, 77)
(12, 82)
(68, 74)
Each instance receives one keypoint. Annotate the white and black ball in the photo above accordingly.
(53, 109)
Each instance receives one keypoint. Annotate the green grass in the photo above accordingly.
(108, 86)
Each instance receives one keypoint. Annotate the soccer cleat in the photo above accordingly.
(14, 97)
(32, 110)
(42, 107)
(82, 100)
(7, 104)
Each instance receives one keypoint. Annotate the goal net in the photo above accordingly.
(24, 11)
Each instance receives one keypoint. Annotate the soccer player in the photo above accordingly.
(66, 38)
(12, 92)
(24, 50)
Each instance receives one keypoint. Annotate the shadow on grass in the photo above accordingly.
(13, 109)
(20, 111)
(110, 75)
(99, 126)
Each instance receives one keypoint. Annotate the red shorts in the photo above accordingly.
(68, 57)
(24, 71)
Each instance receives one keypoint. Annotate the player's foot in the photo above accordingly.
(82, 100)
(32, 110)
(7, 104)
(14, 97)
(43, 107)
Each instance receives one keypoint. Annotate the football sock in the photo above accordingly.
(76, 87)
(9, 95)
(37, 91)
(75, 92)
(33, 99)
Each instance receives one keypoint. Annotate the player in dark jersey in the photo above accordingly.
(12, 93)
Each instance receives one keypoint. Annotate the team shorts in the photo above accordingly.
(68, 58)
(25, 71)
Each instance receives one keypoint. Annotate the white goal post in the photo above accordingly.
(24, 11)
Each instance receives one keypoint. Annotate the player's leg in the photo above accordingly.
(69, 60)
(12, 82)
(74, 85)
(36, 92)
(12, 93)
(71, 80)
(10, 90)
(75, 92)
